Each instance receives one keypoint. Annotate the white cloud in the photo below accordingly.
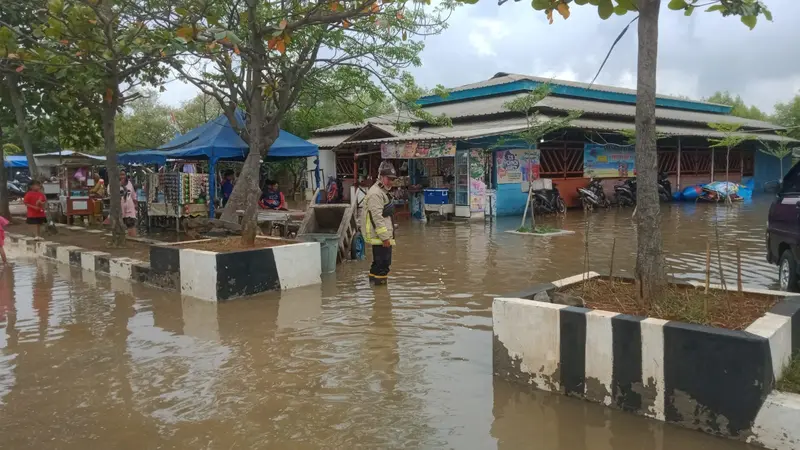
(485, 33)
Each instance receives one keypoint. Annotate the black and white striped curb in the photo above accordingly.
(201, 274)
(701, 377)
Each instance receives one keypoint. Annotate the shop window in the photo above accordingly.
(668, 161)
(344, 166)
(695, 161)
(563, 160)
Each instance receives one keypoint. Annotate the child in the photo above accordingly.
(272, 198)
(3, 223)
(35, 200)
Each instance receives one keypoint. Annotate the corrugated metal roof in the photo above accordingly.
(499, 127)
(495, 105)
(620, 109)
(511, 77)
(326, 142)
(386, 119)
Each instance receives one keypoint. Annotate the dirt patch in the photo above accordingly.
(233, 244)
(90, 241)
(730, 310)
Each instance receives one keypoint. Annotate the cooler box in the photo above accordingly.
(435, 196)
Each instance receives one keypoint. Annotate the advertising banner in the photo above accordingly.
(609, 161)
(517, 166)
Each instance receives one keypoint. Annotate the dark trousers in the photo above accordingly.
(381, 261)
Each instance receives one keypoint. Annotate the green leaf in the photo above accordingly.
(581, 2)
(767, 14)
(716, 8)
(689, 11)
(676, 5)
(181, 11)
(750, 21)
(629, 5)
(620, 10)
(605, 9)
(539, 5)
(469, 2)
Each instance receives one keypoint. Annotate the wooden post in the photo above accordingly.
(611, 268)
(527, 202)
(678, 182)
(712, 163)
(738, 268)
(708, 267)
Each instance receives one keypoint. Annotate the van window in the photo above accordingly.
(791, 182)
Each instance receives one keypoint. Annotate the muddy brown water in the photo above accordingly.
(92, 362)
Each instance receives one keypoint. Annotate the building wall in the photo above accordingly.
(327, 163)
(768, 168)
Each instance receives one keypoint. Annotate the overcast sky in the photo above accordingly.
(697, 55)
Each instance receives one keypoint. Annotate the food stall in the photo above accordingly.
(75, 180)
(176, 195)
(431, 185)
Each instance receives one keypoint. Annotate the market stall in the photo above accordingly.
(212, 142)
(432, 184)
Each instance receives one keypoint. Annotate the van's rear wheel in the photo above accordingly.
(787, 272)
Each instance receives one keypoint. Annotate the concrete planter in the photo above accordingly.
(700, 377)
(213, 276)
(218, 276)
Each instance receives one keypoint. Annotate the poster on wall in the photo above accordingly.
(415, 150)
(609, 161)
(517, 166)
(477, 180)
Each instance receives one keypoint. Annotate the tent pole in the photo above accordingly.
(212, 176)
(679, 163)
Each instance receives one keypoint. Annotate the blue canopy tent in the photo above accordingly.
(15, 161)
(218, 141)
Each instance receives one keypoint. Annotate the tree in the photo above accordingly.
(144, 124)
(788, 115)
(650, 270)
(739, 108)
(537, 127)
(195, 112)
(107, 50)
(257, 57)
(779, 150)
(732, 138)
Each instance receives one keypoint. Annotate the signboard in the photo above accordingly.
(517, 166)
(477, 180)
(609, 161)
(415, 150)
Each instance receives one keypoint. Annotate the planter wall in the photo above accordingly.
(196, 273)
(701, 377)
(222, 276)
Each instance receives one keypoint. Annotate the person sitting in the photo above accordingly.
(227, 187)
(99, 188)
(272, 198)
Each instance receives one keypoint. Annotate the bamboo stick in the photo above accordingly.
(708, 267)
(738, 268)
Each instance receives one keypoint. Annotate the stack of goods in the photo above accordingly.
(171, 186)
(198, 186)
(436, 182)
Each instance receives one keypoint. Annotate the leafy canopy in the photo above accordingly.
(748, 10)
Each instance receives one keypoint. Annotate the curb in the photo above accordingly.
(711, 379)
(777, 425)
(92, 261)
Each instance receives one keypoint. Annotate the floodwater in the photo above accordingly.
(92, 362)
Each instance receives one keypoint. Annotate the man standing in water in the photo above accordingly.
(378, 225)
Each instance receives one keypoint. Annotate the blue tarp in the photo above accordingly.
(15, 161)
(217, 140)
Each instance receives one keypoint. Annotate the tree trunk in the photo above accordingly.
(650, 275)
(118, 232)
(12, 81)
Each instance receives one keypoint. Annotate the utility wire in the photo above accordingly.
(622, 33)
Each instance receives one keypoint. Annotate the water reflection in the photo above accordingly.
(90, 361)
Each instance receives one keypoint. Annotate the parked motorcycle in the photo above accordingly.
(15, 190)
(664, 187)
(625, 193)
(593, 196)
(548, 201)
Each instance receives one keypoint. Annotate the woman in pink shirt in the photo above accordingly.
(127, 194)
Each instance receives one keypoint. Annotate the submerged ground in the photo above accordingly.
(90, 362)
